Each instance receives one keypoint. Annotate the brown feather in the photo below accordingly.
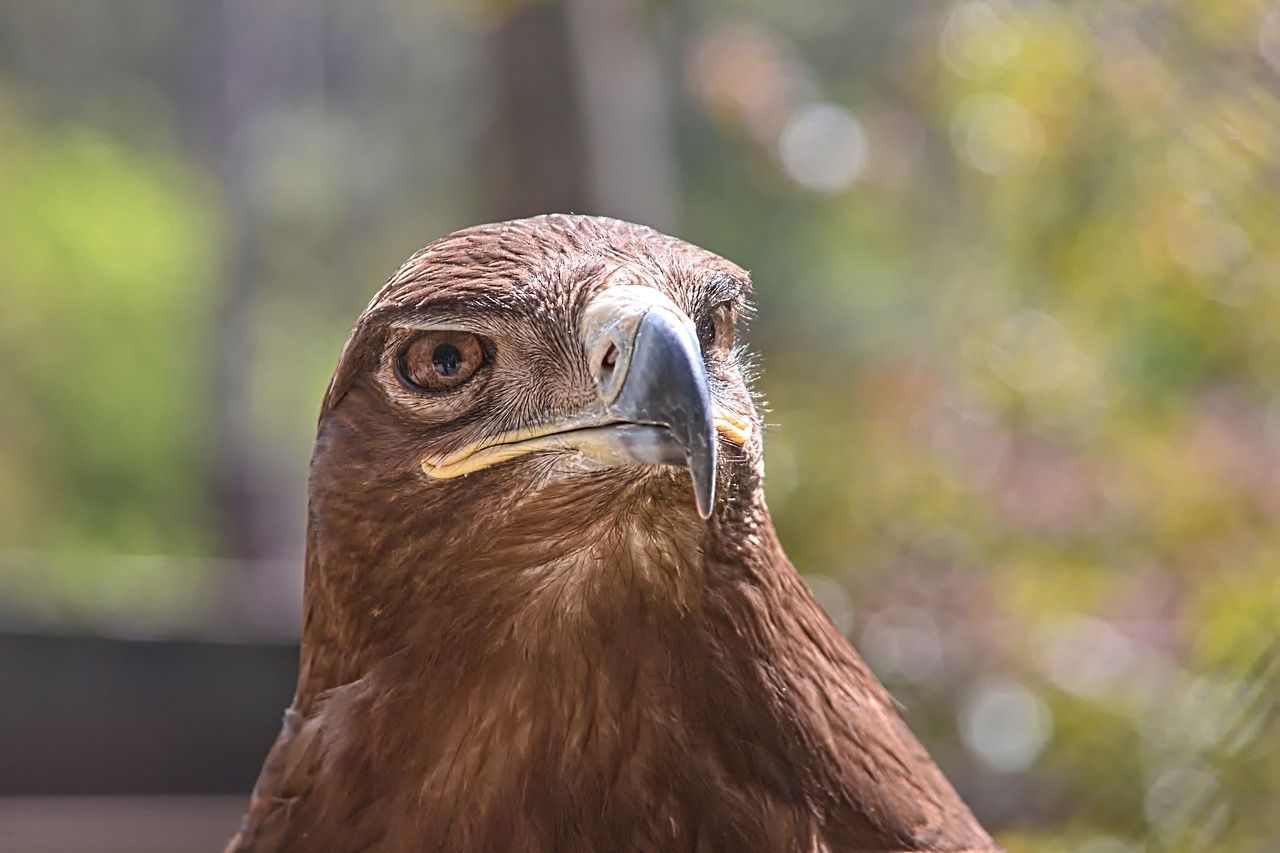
(515, 661)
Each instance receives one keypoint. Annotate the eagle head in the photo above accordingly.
(525, 397)
(596, 352)
(545, 607)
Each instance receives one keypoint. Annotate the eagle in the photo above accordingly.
(545, 605)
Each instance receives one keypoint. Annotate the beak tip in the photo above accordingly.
(705, 502)
(702, 468)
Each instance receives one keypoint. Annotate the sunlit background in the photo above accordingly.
(1018, 274)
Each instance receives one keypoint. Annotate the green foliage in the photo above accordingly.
(105, 274)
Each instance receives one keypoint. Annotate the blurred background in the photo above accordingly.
(1018, 272)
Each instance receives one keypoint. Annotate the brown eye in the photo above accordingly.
(439, 361)
(715, 331)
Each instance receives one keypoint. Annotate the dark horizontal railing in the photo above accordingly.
(100, 715)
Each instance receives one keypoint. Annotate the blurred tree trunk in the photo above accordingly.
(540, 138)
(271, 58)
(584, 113)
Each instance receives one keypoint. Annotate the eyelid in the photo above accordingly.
(410, 330)
(485, 326)
(729, 288)
(442, 324)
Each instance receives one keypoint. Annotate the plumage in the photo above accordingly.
(540, 644)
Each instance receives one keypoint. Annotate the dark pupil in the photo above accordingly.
(706, 330)
(447, 359)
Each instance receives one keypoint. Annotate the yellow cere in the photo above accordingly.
(733, 428)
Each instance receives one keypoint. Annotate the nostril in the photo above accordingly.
(610, 360)
(609, 367)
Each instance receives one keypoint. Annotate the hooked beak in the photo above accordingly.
(653, 407)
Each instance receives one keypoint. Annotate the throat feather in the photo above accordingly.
(638, 563)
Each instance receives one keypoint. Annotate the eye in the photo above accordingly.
(715, 330)
(440, 361)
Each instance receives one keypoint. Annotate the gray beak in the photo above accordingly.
(666, 386)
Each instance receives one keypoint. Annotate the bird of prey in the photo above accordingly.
(545, 606)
